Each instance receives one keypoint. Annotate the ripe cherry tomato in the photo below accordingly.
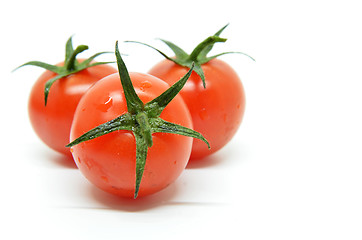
(132, 127)
(52, 122)
(216, 110)
(55, 95)
(214, 93)
(109, 161)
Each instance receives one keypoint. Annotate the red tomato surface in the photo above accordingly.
(52, 122)
(216, 111)
(109, 161)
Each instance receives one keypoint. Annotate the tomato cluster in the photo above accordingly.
(131, 134)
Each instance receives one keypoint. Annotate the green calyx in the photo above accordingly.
(141, 119)
(71, 65)
(198, 56)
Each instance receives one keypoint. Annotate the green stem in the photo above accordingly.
(145, 128)
(70, 63)
(199, 48)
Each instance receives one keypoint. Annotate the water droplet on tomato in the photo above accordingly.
(145, 85)
(89, 165)
(225, 117)
(105, 105)
(105, 179)
(203, 114)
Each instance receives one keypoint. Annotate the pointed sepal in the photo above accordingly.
(141, 156)
(48, 84)
(160, 125)
(165, 98)
(123, 122)
(44, 65)
(134, 103)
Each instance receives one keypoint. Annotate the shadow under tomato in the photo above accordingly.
(209, 161)
(49, 158)
(113, 202)
(64, 161)
(224, 157)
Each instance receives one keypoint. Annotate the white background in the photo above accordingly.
(294, 169)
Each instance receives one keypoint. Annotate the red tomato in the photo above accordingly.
(216, 110)
(214, 93)
(109, 161)
(52, 122)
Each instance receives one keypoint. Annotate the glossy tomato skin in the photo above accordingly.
(109, 161)
(216, 111)
(52, 122)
